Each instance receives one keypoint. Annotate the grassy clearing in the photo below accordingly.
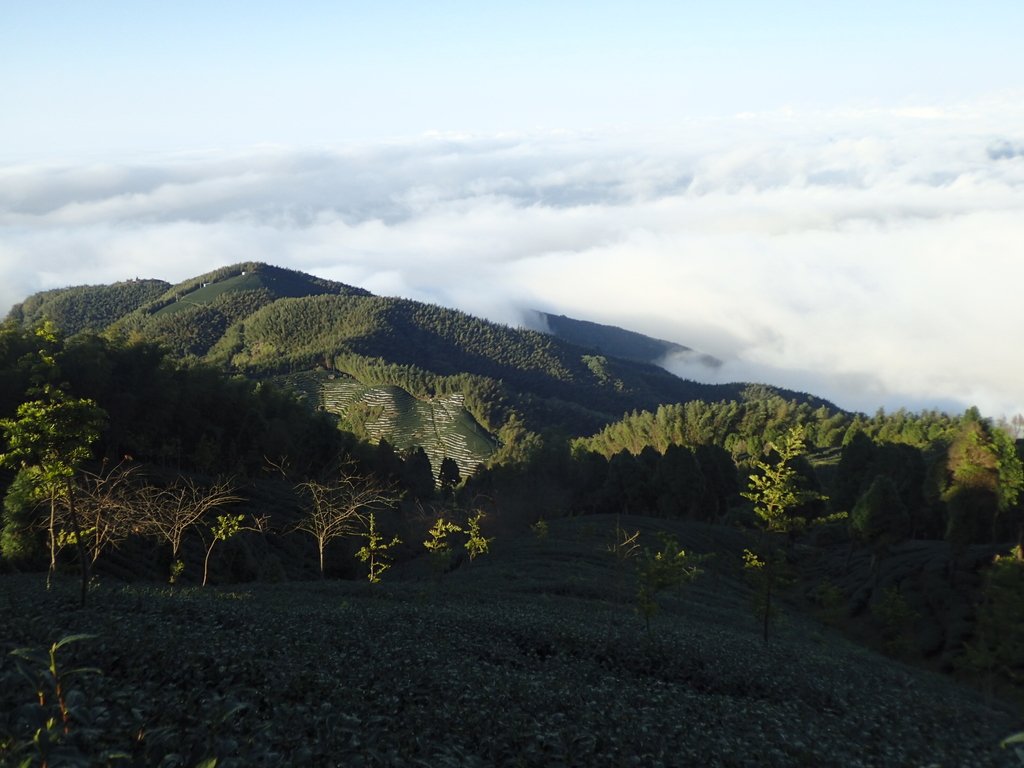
(525, 658)
(207, 292)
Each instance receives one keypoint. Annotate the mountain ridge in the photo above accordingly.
(263, 321)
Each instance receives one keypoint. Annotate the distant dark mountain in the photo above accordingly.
(264, 321)
(615, 341)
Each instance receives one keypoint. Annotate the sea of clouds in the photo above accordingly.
(871, 257)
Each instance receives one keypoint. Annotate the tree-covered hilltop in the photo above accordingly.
(192, 316)
(86, 307)
(263, 321)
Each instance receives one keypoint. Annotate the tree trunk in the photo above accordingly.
(53, 540)
(849, 557)
(206, 560)
(82, 554)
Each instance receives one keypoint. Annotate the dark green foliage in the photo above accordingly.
(342, 674)
(679, 483)
(188, 333)
(417, 474)
(448, 477)
(957, 477)
(905, 466)
(739, 426)
(86, 307)
(997, 649)
(862, 460)
(59, 737)
(855, 463)
(879, 517)
(24, 512)
(761, 414)
(984, 479)
(51, 435)
(970, 513)
(387, 464)
(720, 481)
(627, 486)
(192, 419)
(895, 620)
(17, 351)
(423, 345)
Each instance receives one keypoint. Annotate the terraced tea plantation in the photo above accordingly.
(531, 656)
(441, 426)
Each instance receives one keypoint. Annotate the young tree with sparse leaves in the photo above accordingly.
(476, 543)
(226, 527)
(438, 547)
(657, 570)
(775, 490)
(776, 493)
(375, 553)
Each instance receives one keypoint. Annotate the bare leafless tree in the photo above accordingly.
(169, 512)
(337, 509)
(107, 500)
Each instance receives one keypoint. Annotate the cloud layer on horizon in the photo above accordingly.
(870, 258)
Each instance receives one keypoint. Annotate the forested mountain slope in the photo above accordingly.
(87, 307)
(261, 321)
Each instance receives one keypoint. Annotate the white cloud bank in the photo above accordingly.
(874, 258)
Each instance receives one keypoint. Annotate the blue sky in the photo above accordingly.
(103, 77)
(826, 196)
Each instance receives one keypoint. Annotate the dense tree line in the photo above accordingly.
(956, 477)
(761, 415)
(192, 418)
